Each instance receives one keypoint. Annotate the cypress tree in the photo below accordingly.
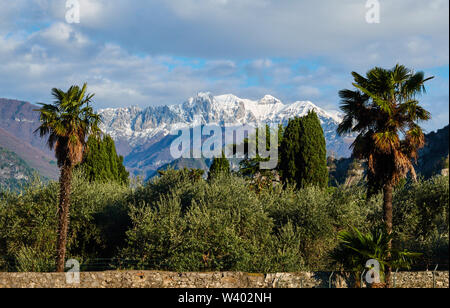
(303, 152)
(218, 166)
(101, 162)
(123, 175)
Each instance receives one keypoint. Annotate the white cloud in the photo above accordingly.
(256, 29)
(161, 52)
(308, 92)
(62, 34)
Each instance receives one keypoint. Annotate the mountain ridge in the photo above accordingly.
(226, 108)
(21, 119)
(34, 157)
(142, 135)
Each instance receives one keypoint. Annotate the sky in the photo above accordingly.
(161, 52)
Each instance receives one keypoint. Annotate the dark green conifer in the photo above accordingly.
(101, 162)
(303, 152)
(220, 165)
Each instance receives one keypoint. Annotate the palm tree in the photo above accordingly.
(385, 113)
(67, 122)
(356, 248)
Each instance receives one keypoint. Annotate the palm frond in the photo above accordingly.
(67, 123)
(384, 112)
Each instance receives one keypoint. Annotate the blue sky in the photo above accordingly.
(162, 52)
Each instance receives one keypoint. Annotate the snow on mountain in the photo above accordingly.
(143, 135)
(140, 125)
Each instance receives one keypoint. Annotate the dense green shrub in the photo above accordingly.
(180, 221)
(318, 215)
(28, 222)
(421, 219)
(220, 225)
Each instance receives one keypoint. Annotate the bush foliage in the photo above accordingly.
(179, 221)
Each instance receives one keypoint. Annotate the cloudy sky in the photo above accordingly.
(154, 52)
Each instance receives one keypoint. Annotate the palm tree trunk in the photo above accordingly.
(387, 208)
(357, 277)
(63, 215)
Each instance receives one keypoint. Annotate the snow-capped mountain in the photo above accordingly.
(140, 125)
(142, 135)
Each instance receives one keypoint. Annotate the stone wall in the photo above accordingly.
(152, 279)
(421, 280)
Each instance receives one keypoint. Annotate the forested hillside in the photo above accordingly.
(14, 171)
(433, 157)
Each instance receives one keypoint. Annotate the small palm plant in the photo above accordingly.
(67, 122)
(356, 248)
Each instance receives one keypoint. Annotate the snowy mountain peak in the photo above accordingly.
(140, 126)
(268, 100)
(200, 98)
(203, 96)
(307, 106)
(143, 135)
